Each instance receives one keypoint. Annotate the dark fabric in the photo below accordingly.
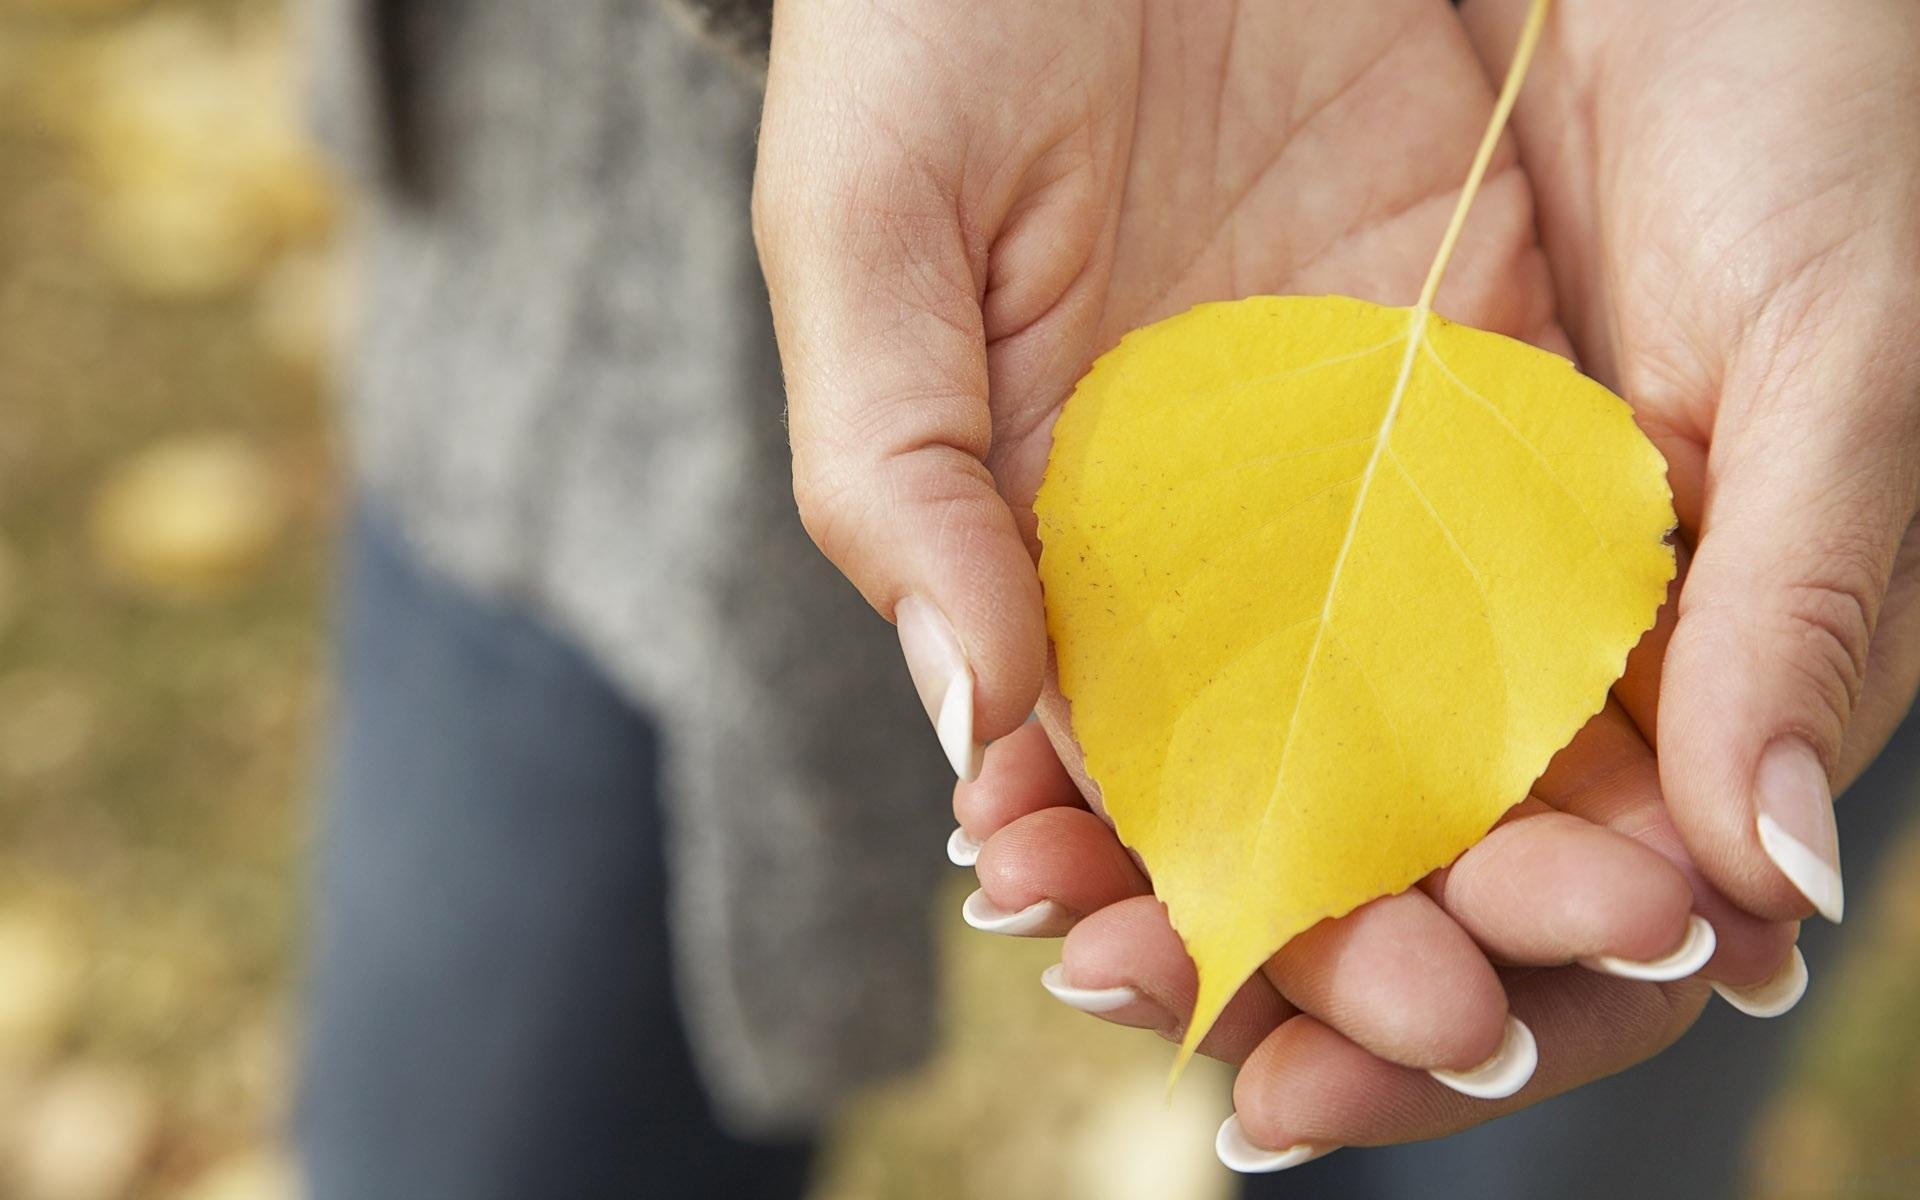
(493, 1014)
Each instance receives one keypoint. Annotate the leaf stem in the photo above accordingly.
(1502, 109)
(1211, 999)
(1416, 337)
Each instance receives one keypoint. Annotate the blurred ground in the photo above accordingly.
(162, 495)
(166, 498)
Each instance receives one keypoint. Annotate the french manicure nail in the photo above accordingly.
(943, 679)
(1042, 918)
(1087, 1000)
(1793, 805)
(1695, 949)
(1239, 1154)
(1774, 996)
(962, 851)
(1501, 1075)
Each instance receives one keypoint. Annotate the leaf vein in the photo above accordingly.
(1172, 595)
(1546, 465)
(1216, 473)
(1415, 335)
(1466, 560)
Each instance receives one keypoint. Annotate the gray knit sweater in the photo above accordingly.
(564, 386)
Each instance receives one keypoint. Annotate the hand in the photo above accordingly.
(944, 263)
(1586, 880)
(958, 209)
(1754, 276)
(1727, 192)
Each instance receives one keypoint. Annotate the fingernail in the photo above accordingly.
(1777, 995)
(1695, 949)
(962, 851)
(1087, 1000)
(1503, 1074)
(943, 679)
(1239, 1154)
(1042, 918)
(1794, 807)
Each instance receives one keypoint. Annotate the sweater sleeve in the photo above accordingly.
(740, 27)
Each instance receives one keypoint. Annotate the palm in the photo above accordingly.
(958, 206)
(1058, 174)
(1716, 204)
(1227, 157)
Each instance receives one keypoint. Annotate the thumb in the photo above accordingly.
(882, 342)
(1805, 509)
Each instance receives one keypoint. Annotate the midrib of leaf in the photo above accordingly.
(1416, 335)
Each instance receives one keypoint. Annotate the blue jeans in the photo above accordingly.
(492, 1014)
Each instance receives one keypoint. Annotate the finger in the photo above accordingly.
(1893, 666)
(1306, 1089)
(1397, 975)
(1046, 870)
(1400, 978)
(1125, 964)
(1546, 888)
(875, 297)
(1609, 778)
(1020, 774)
(1801, 526)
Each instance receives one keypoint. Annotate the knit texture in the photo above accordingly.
(565, 388)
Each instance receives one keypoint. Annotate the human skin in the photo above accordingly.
(1727, 193)
(959, 209)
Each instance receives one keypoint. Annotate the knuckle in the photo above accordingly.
(830, 512)
(928, 492)
(1680, 1006)
(1829, 619)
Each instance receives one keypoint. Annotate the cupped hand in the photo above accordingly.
(1729, 194)
(958, 209)
(1581, 896)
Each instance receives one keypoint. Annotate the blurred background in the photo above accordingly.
(169, 292)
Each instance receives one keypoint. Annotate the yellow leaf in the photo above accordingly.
(1329, 583)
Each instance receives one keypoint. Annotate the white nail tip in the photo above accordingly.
(1807, 871)
(1239, 1154)
(1694, 951)
(962, 851)
(1042, 917)
(955, 727)
(1087, 1000)
(1503, 1074)
(1775, 996)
